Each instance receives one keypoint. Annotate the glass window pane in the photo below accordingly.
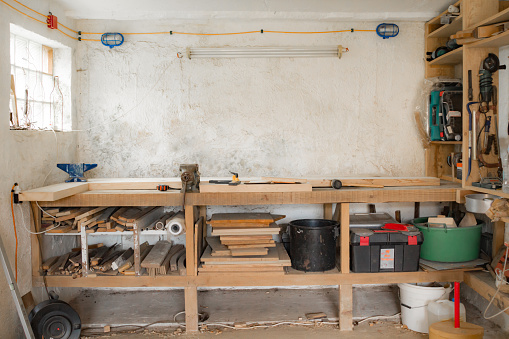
(47, 83)
(20, 83)
(21, 58)
(12, 48)
(35, 56)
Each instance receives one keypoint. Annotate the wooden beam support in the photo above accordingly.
(191, 304)
(345, 307)
(190, 259)
(484, 284)
(35, 240)
(327, 211)
(498, 237)
(345, 237)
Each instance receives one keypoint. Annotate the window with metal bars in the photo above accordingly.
(37, 101)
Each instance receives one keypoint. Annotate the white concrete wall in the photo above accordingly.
(26, 158)
(150, 111)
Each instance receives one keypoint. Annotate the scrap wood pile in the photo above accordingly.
(107, 219)
(112, 261)
(243, 242)
(165, 258)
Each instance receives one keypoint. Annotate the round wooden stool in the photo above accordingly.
(446, 330)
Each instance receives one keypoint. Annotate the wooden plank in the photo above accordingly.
(231, 247)
(165, 266)
(273, 255)
(90, 212)
(198, 240)
(246, 242)
(217, 249)
(345, 307)
(132, 183)
(127, 216)
(190, 245)
(191, 307)
(214, 188)
(247, 237)
(273, 229)
(243, 268)
(156, 257)
(234, 218)
(345, 237)
(241, 252)
(54, 192)
(175, 258)
(72, 215)
(48, 263)
(484, 284)
(498, 237)
(327, 211)
(35, 240)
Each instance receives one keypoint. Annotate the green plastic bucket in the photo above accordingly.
(457, 244)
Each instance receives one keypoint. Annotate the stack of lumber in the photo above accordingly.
(243, 242)
(102, 259)
(243, 233)
(165, 258)
(104, 219)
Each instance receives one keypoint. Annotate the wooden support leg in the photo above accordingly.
(35, 241)
(327, 211)
(191, 299)
(345, 307)
(190, 259)
(498, 237)
(345, 237)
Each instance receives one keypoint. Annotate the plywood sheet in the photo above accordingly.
(54, 192)
(273, 229)
(238, 252)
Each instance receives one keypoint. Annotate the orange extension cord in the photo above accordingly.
(171, 32)
(15, 233)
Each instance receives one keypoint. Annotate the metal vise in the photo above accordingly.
(190, 177)
(76, 171)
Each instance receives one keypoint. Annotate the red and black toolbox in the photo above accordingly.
(394, 248)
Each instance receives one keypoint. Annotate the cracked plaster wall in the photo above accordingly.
(150, 111)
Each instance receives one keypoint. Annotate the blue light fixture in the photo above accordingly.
(112, 39)
(387, 31)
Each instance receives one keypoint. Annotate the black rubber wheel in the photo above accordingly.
(55, 319)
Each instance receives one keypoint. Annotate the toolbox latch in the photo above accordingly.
(364, 241)
(412, 240)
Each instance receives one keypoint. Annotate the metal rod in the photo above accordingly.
(13, 286)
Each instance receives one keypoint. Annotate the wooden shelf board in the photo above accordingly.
(496, 41)
(450, 178)
(499, 17)
(447, 30)
(436, 20)
(452, 58)
(124, 233)
(487, 190)
(256, 279)
(446, 142)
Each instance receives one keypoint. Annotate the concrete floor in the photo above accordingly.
(98, 308)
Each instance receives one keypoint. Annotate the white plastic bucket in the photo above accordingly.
(414, 300)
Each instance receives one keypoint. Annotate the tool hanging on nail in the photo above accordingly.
(471, 136)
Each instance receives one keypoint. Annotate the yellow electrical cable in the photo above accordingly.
(182, 33)
(33, 10)
(17, 10)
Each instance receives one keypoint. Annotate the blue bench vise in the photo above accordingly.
(76, 171)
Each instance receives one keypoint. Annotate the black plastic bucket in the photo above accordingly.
(313, 244)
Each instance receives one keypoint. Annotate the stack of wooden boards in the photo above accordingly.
(165, 258)
(243, 243)
(106, 219)
(112, 261)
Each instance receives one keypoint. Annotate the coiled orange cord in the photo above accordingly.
(15, 233)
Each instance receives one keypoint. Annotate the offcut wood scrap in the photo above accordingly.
(156, 257)
(122, 259)
(106, 265)
(499, 209)
(165, 266)
(130, 261)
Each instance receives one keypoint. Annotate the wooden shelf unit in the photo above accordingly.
(474, 13)
(196, 207)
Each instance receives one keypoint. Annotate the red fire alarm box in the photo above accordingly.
(52, 21)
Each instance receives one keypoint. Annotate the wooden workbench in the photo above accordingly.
(196, 206)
